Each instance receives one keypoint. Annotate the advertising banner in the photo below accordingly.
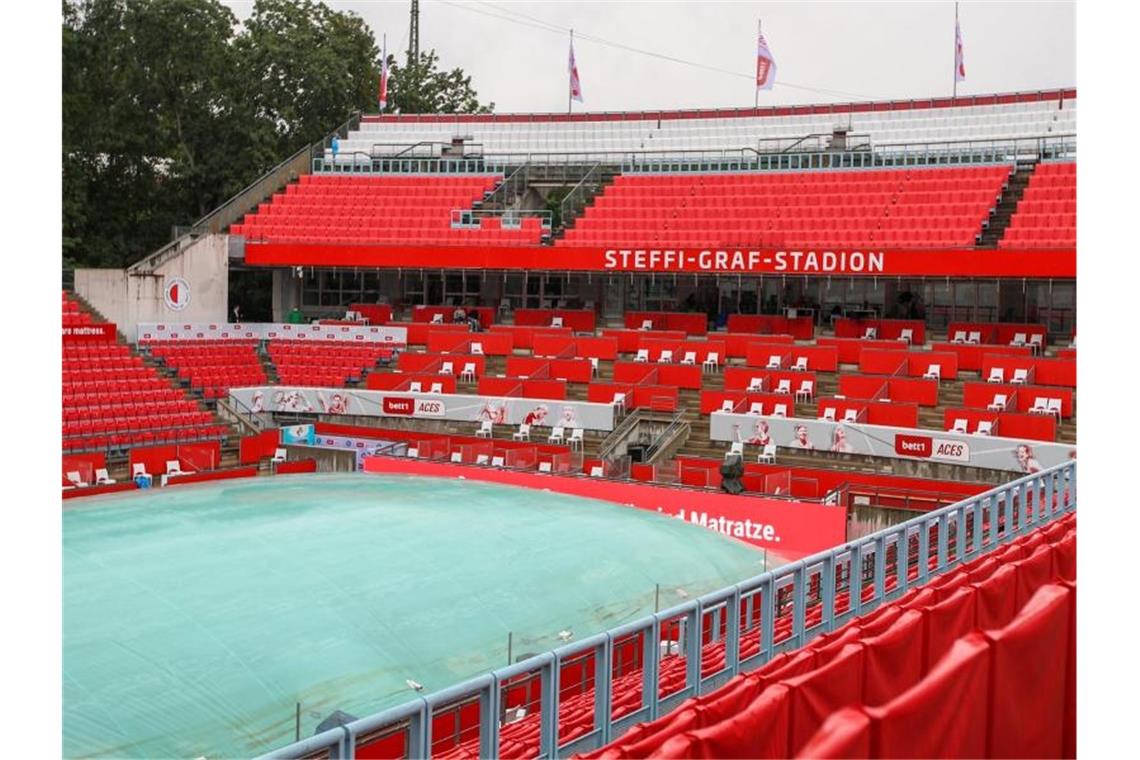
(985, 451)
(1004, 262)
(439, 406)
(789, 529)
(151, 331)
(80, 333)
(298, 434)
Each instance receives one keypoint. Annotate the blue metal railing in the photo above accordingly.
(926, 546)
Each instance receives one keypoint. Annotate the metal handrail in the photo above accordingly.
(574, 200)
(610, 442)
(665, 437)
(927, 546)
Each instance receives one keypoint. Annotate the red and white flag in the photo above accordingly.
(765, 64)
(383, 95)
(959, 59)
(575, 83)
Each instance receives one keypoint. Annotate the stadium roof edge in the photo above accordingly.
(714, 113)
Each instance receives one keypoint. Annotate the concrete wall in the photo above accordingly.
(128, 299)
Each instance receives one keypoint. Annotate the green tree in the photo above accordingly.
(424, 88)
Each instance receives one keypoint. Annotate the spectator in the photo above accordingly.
(459, 315)
(334, 144)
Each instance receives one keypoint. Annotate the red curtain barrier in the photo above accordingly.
(253, 448)
(395, 381)
(740, 378)
(524, 336)
(198, 477)
(687, 322)
(1062, 372)
(428, 313)
(700, 348)
(298, 465)
(84, 464)
(376, 314)
(72, 493)
(792, 529)
(628, 341)
(885, 329)
(964, 262)
(850, 348)
(433, 363)
(736, 343)
(452, 341)
(760, 353)
(801, 328)
(970, 356)
(1000, 333)
(418, 332)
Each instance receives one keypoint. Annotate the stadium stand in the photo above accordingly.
(1046, 216)
(300, 362)
(112, 400)
(212, 366)
(412, 210)
(900, 208)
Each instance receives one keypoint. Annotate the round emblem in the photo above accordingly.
(176, 294)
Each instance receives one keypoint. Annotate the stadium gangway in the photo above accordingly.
(1010, 514)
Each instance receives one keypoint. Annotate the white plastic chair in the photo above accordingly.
(556, 321)
(998, 404)
(557, 435)
(647, 324)
(482, 459)
(103, 478)
(457, 457)
(596, 471)
(666, 356)
(801, 364)
(413, 453)
(828, 413)
(172, 467)
(727, 406)
(448, 368)
(497, 461)
(477, 348)
(711, 362)
(690, 357)
(642, 355)
(1018, 339)
(523, 433)
(851, 415)
(985, 427)
(1020, 376)
(1055, 408)
(974, 337)
(781, 410)
(756, 384)
(768, 454)
(997, 375)
(437, 387)
(417, 387)
(871, 333)
(757, 408)
(1037, 341)
(784, 386)
(773, 362)
(933, 372)
(279, 455)
(544, 466)
(1040, 405)
(959, 426)
(594, 366)
(138, 468)
(437, 319)
(959, 336)
(77, 479)
(619, 401)
(576, 439)
(485, 430)
(906, 334)
(737, 449)
(468, 372)
(806, 390)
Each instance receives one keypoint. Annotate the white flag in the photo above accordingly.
(575, 84)
(765, 65)
(959, 59)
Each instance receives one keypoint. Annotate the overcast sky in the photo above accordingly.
(824, 51)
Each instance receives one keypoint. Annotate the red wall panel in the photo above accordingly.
(394, 381)
(736, 343)
(801, 328)
(579, 320)
(888, 329)
(376, 314)
(878, 361)
(500, 386)
(254, 448)
(523, 337)
(688, 322)
(850, 348)
(447, 342)
(603, 393)
(551, 389)
(427, 313)
(970, 356)
(660, 397)
(918, 363)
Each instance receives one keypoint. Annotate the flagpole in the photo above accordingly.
(383, 65)
(570, 80)
(955, 49)
(755, 89)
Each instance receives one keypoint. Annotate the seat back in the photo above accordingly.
(596, 471)
(138, 468)
(785, 386)
(497, 461)
(485, 426)
(781, 410)
(172, 466)
(437, 387)
(757, 407)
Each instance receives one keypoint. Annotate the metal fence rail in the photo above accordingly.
(925, 547)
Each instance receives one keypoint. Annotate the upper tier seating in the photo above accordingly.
(112, 400)
(212, 366)
(914, 123)
(891, 207)
(1046, 215)
(329, 365)
(409, 210)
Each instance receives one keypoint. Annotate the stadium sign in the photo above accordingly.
(176, 294)
(929, 262)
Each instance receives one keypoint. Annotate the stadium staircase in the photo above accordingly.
(1003, 213)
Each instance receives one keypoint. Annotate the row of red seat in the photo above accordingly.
(1038, 222)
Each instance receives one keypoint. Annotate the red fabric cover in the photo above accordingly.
(1029, 661)
(845, 734)
(760, 731)
(1069, 743)
(892, 660)
(923, 598)
(795, 664)
(879, 620)
(947, 584)
(819, 693)
(1065, 558)
(1033, 572)
(996, 598)
(946, 622)
(979, 571)
(944, 715)
(826, 650)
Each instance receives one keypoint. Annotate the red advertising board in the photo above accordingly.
(789, 529)
(78, 333)
(1054, 263)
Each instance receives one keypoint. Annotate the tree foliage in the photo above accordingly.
(170, 107)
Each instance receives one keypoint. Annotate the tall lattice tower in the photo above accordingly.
(414, 35)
